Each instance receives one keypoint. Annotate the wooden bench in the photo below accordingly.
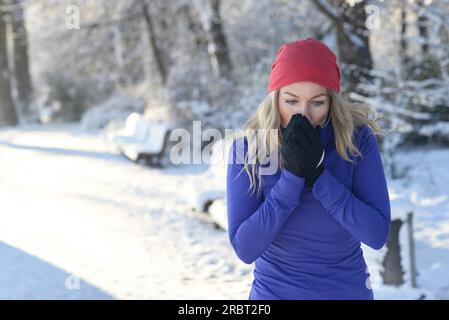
(129, 130)
(400, 253)
(151, 150)
(211, 197)
(145, 141)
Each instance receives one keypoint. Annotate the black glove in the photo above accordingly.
(290, 147)
(311, 151)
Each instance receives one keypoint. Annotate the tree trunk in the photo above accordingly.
(352, 38)
(403, 44)
(217, 44)
(8, 114)
(195, 27)
(393, 273)
(153, 42)
(21, 62)
(422, 26)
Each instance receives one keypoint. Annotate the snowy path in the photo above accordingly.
(78, 221)
(72, 209)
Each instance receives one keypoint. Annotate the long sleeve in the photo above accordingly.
(254, 222)
(364, 212)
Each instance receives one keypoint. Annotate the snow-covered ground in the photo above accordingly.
(78, 221)
(426, 186)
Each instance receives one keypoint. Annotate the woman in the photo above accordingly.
(304, 226)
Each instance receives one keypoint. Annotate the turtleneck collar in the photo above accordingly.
(327, 133)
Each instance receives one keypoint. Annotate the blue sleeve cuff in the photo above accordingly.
(328, 190)
(289, 187)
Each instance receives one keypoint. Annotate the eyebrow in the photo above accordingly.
(321, 94)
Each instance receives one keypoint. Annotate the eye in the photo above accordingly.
(291, 102)
(318, 103)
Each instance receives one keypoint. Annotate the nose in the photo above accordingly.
(304, 111)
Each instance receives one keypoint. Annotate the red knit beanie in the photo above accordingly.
(305, 60)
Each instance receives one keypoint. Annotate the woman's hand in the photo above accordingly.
(311, 151)
(290, 148)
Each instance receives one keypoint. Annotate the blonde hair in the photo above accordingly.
(346, 116)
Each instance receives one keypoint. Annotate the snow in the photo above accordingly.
(148, 138)
(116, 108)
(356, 40)
(330, 8)
(199, 200)
(79, 221)
(424, 191)
(440, 127)
(218, 212)
(73, 207)
(201, 195)
(400, 206)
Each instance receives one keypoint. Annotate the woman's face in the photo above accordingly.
(308, 98)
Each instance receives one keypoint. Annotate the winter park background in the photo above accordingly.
(86, 216)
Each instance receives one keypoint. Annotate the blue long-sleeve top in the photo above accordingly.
(306, 242)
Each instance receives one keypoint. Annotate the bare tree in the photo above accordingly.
(422, 26)
(352, 38)
(195, 27)
(21, 62)
(153, 41)
(8, 114)
(393, 273)
(217, 45)
(403, 43)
